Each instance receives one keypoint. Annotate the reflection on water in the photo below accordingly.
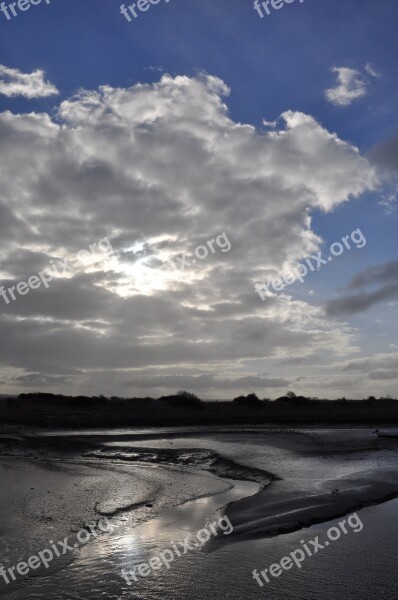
(357, 567)
(175, 525)
(125, 548)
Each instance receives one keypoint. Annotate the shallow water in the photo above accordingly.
(358, 566)
(126, 548)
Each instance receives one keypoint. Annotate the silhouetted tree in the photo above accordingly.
(251, 400)
(183, 399)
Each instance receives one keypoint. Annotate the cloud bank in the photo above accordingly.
(158, 169)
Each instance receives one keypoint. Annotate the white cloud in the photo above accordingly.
(350, 86)
(160, 169)
(372, 71)
(389, 201)
(271, 124)
(30, 85)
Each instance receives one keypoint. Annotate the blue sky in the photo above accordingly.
(280, 63)
(271, 64)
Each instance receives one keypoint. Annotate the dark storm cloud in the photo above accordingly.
(199, 382)
(39, 380)
(356, 303)
(385, 155)
(386, 274)
(380, 375)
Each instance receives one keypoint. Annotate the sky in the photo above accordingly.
(163, 180)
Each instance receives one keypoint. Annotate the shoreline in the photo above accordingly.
(278, 507)
(252, 525)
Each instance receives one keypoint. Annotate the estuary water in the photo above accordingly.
(358, 566)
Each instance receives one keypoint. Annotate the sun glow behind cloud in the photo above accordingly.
(205, 174)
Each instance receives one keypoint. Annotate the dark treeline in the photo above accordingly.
(184, 408)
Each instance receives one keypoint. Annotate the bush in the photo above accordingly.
(251, 401)
(183, 399)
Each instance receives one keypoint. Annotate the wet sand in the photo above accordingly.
(54, 484)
